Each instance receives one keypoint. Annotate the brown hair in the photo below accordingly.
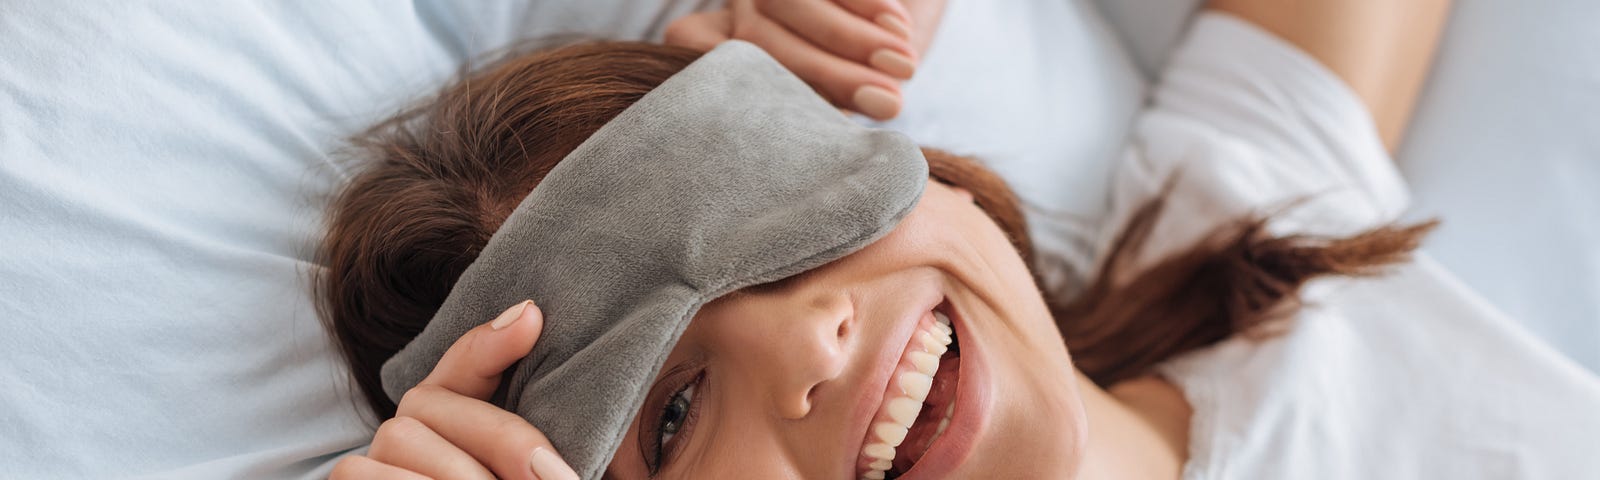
(441, 177)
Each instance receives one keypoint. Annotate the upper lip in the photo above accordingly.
(880, 367)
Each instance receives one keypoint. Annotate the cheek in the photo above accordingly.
(741, 453)
(734, 448)
(1045, 417)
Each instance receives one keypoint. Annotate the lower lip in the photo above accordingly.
(968, 419)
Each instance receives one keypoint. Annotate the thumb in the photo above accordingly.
(473, 365)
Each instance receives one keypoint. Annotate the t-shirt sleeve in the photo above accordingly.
(1245, 124)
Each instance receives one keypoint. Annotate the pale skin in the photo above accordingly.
(773, 409)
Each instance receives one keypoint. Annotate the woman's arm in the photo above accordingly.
(1382, 48)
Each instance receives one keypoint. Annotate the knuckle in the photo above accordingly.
(746, 32)
(399, 428)
(518, 431)
(833, 32)
(346, 468)
(390, 433)
(418, 397)
(675, 31)
(468, 343)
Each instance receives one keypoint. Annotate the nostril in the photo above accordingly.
(809, 400)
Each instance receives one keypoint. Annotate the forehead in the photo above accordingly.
(930, 229)
(936, 232)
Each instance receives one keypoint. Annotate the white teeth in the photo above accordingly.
(880, 451)
(890, 433)
(916, 385)
(904, 410)
(925, 362)
(944, 422)
(932, 345)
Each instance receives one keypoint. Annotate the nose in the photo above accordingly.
(811, 350)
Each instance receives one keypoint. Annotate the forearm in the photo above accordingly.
(1382, 48)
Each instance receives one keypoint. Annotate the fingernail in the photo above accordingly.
(895, 25)
(549, 466)
(510, 316)
(894, 63)
(875, 102)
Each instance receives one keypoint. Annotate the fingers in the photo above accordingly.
(845, 34)
(473, 365)
(845, 83)
(356, 467)
(504, 442)
(407, 443)
(700, 31)
(443, 428)
(892, 15)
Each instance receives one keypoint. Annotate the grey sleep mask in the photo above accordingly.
(731, 173)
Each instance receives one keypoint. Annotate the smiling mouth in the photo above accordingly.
(918, 404)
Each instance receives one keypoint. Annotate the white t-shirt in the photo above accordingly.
(1409, 375)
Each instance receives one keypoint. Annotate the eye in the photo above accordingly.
(674, 421)
(674, 414)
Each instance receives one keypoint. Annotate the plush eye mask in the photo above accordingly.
(732, 173)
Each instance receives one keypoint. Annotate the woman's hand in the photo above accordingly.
(445, 429)
(853, 52)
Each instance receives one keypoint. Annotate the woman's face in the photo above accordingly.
(800, 379)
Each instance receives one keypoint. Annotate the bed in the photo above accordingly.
(163, 168)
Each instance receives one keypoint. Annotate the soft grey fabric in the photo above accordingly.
(732, 173)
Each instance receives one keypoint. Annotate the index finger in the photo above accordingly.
(837, 30)
(473, 365)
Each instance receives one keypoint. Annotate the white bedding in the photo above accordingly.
(163, 168)
(1503, 147)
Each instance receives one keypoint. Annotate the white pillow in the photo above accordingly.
(164, 167)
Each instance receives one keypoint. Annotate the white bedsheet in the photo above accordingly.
(164, 166)
(163, 169)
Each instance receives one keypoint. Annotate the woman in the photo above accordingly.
(1190, 356)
